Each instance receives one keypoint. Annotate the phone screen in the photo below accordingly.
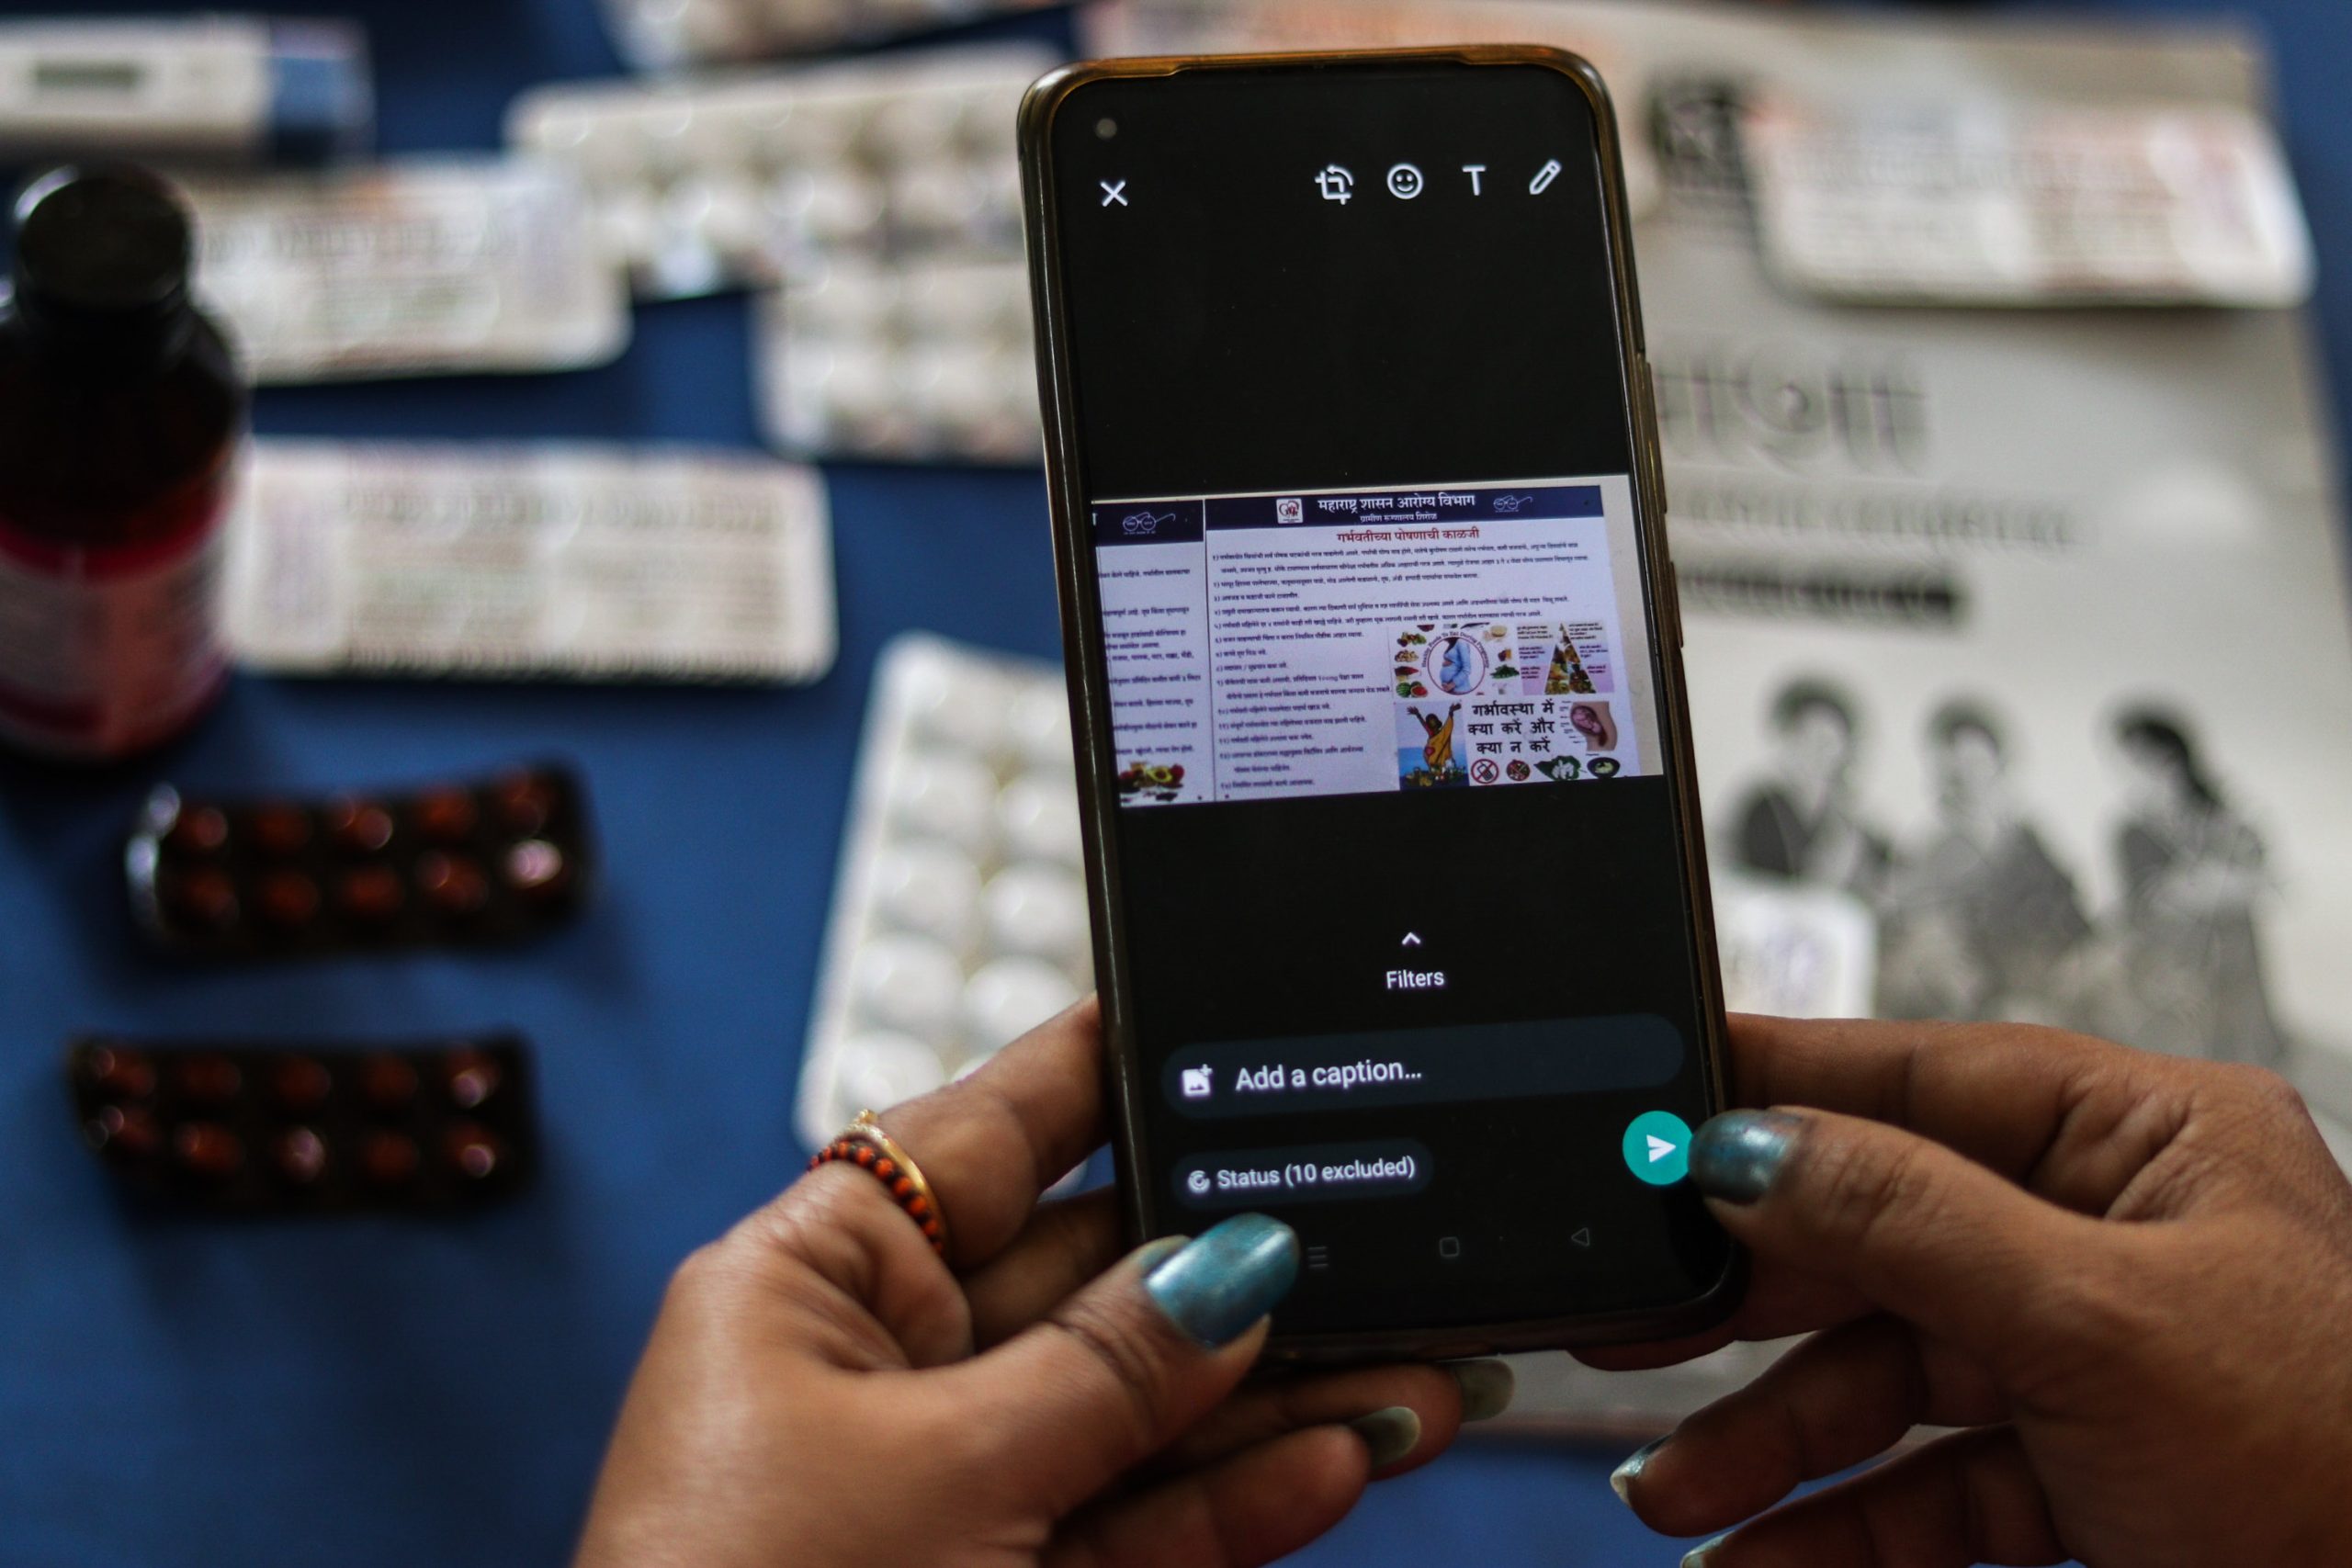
(1403, 930)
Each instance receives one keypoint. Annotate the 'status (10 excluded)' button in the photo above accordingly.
(1241, 1178)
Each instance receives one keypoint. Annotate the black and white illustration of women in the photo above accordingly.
(1979, 919)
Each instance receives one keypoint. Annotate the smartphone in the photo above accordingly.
(1401, 918)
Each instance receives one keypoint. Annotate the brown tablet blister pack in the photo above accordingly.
(303, 1128)
(495, 860)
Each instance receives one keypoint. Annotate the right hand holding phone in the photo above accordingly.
(2126, 1279)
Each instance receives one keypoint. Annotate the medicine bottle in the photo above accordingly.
(121, 421)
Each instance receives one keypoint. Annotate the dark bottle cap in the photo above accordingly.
(103, 255)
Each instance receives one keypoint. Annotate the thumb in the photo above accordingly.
(1126, 1364)
(1923, 1233)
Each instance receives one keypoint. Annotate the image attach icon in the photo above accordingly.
(1335, 184)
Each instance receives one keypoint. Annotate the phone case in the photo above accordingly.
(1090, 698)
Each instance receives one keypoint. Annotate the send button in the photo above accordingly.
(1657, 1147)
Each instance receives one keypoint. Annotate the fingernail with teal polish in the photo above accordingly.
(1736, 1155)
(1622, 1479)
(1704, 1553)
(1487, 1388)
(1389, 1435)
(1225, 1280)
(1151, 1254)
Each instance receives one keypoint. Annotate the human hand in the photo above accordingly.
(2125, 1277)
(822, 1389)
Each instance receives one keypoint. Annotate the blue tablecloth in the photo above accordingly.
(402, 1392)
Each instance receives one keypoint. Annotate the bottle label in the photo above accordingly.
(104, 652)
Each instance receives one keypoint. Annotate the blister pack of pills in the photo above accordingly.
(445, 266)
(918, 363)
(959, 917)
(562, 561)
(215, 89)
(711, 184)
(465, 864)
(297, 1127)
(655, 35)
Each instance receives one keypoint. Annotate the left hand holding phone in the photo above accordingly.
(822, 1389)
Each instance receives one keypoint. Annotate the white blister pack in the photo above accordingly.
(2002, 204)
(719, 183)
(556, 561)
(412, 268)
(203, 88)
(959, 916)
(919, 363)
(656, 35)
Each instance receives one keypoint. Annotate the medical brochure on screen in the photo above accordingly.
(1405, 637)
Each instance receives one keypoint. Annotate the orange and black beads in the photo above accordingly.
(895, 1180)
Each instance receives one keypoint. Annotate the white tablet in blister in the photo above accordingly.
(959, 916)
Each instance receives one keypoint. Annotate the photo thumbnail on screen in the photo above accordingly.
(1352, 641)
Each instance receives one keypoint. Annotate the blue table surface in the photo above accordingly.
(393, 1392)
